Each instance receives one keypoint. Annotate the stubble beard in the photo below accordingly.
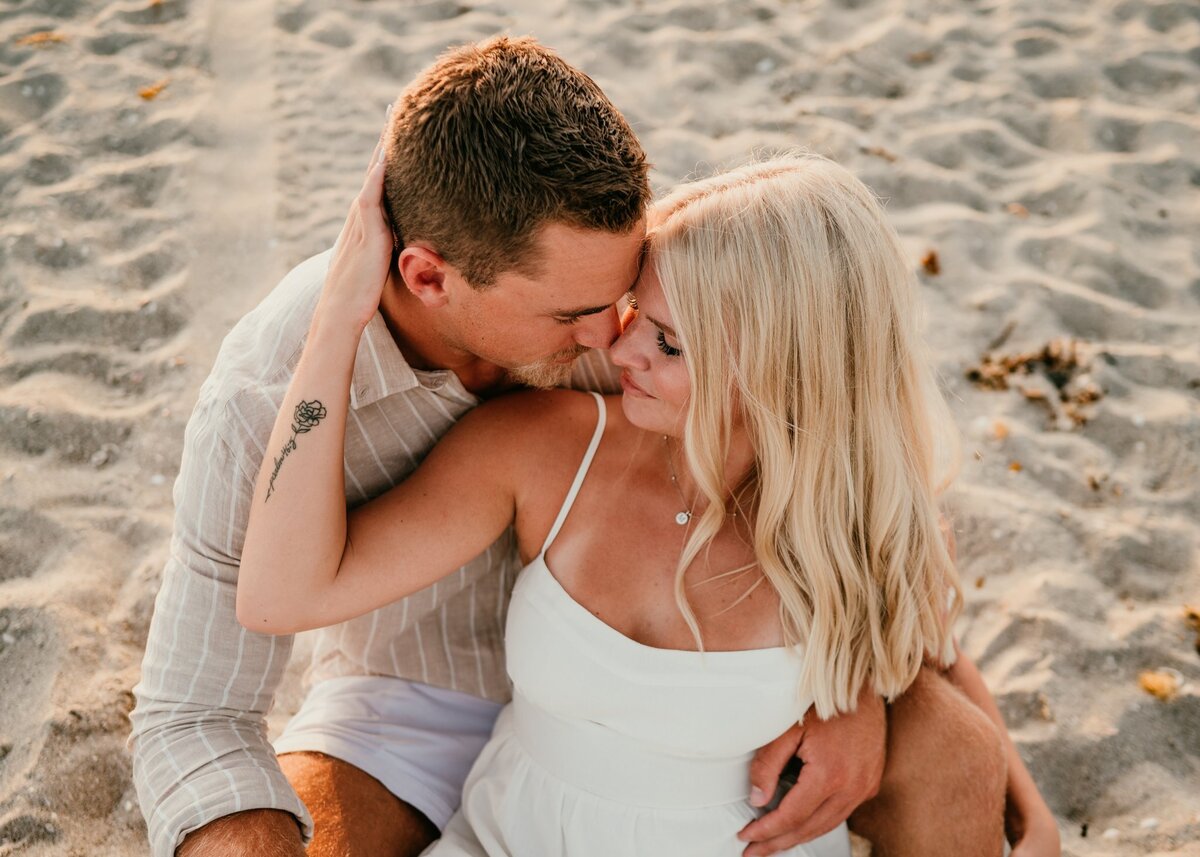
(549, 373)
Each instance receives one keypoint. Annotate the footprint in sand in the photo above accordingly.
(28, 98)
(29, 541)
(137, 329)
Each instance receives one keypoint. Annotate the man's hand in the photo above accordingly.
(843, 760)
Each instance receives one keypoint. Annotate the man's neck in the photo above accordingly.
(414, 329)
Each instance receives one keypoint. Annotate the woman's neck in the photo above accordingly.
(737, 469)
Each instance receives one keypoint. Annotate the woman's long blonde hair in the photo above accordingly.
(796, 311)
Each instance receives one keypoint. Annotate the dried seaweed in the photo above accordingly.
(1059, 362)
(42, 39)
(1163, 684)
(1191, 613)
(149, 93)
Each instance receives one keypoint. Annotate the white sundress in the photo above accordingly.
(613, 748)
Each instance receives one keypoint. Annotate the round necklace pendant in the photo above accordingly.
(682, 518)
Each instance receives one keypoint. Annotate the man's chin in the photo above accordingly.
(545, 375)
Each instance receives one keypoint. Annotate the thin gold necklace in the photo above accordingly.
(684, 517)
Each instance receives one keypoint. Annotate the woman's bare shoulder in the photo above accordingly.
(532, 420)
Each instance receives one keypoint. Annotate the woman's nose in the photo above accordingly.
(624, 352)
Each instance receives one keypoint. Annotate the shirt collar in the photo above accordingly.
(380, 370)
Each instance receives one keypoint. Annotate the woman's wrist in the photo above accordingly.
(334, 333)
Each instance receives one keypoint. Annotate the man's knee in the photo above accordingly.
(944, 782)
(353, 813)
(944, 752)
(934, 728)
(307, 769)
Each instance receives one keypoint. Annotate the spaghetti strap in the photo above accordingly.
(580, 474)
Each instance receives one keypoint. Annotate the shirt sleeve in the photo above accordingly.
(595, 372)
(199, 740)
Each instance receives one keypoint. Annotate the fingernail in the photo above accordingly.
(757, 797)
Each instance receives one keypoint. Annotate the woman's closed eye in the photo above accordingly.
(669, 350)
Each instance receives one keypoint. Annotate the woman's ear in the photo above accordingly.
(424, 274)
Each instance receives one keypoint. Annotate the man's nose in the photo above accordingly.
(598, 330)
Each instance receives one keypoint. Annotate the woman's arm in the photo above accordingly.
(303, 564)
(308, 564)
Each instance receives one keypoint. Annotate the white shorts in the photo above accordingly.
(419, 741)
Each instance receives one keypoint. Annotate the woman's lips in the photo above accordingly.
(629, 387)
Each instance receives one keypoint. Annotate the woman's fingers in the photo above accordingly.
(370, 198)
(382, 141)
(371, 218)
(363, 252)
(370, 195)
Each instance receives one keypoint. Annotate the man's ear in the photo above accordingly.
(424, 273)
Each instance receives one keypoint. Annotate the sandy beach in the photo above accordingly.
(163, 163)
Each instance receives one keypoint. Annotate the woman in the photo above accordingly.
(751, 529)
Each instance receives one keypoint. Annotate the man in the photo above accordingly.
(517, 193)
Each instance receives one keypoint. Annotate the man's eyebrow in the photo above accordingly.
(578, 313)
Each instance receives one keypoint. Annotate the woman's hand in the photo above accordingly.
(362, 256)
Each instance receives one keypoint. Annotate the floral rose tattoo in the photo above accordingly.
(305, 419)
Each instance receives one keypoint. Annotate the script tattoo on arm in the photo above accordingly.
(305, 419)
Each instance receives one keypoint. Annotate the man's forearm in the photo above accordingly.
(200, 748)
(254, 833)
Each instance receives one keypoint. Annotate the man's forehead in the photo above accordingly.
(568, 244)
(587, 269)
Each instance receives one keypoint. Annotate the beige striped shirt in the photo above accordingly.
(199, 726)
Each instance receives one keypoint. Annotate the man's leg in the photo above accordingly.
(943, 787)
(354, 815)
(380, 762)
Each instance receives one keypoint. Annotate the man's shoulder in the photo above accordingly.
(266, 337)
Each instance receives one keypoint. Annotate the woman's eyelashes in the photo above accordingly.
(669, 350)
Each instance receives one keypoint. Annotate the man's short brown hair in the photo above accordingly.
(497, 139)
